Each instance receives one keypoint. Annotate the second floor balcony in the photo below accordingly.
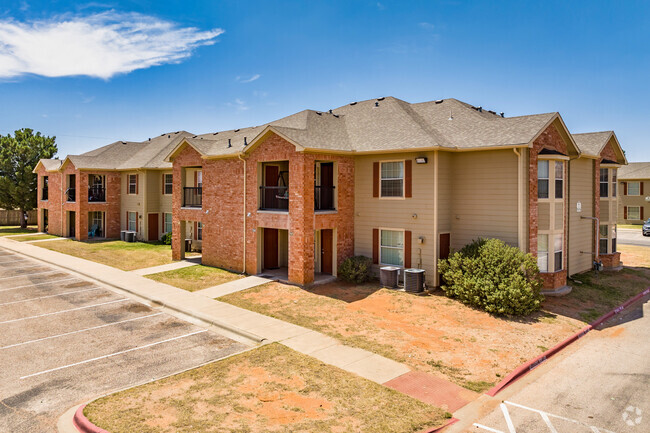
(324, 198)
(44, 193)
(96, 194)
(193, 197)
(274, 198)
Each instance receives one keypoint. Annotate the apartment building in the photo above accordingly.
(402, 183)
(634, 187)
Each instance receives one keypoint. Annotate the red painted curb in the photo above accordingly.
(440, 429)
(82, 424)
(520, 371)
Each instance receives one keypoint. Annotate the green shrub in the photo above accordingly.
(167, 238)
(493, 276)
(356, 269)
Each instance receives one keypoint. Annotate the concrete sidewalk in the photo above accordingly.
(234, 322)
(233, 287)
(168, 267)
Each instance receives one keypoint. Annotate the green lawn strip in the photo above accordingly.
(16, 230)
(122, 255)
(629, 226)
(194, 278)
(272, 388)
(33, 237)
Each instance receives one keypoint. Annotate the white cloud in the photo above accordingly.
(238, 105)
(98, 45)
(248, 80)
(427, 26)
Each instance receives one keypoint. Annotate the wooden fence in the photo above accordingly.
(12, 217)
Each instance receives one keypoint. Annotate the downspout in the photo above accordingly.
(436, 241)
(520, 213)
(244, 215)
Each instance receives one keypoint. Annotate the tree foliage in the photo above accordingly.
(18, 157)
(493, 276)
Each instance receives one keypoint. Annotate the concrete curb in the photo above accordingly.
(441, 428)
(82, 424)
(232, 330)
(530, 365)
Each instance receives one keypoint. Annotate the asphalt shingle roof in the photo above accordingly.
(634, 171)
(592, 143)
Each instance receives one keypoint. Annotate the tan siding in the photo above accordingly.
(581, 231)
(559, 216)
(444, 191)
(630, 200)
(132, 202)
(165, 199)
(484, 196)
(604, 211)
(544, 216)
(371, 212)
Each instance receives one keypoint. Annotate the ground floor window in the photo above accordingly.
(168, 223)
(558, 252)
(614, 239)
(199, 231)
(542, 253)
(603, 246)
(633, 213)
(391, 251)
(131, 225)
(97, 223)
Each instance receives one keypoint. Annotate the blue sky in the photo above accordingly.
(98, 72)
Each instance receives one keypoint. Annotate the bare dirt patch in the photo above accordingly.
(270, 389)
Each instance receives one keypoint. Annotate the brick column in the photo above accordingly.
(301, 213)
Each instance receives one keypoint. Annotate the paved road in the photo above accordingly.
(632, 237)
(64, 340)
(603, 385)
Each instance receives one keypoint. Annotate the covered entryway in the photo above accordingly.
(44, 220)
(152, 227)
(96, 224)
(71, 224)
(326, 250)
(275, 252)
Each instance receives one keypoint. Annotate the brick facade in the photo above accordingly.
(187, 157)
(608, 260)
(549, 139)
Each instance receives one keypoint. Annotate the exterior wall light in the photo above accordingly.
(421, 160)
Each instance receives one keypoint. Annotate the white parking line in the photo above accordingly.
(49, 296)
(20, 267)
(64, 311)
(490, 429)
(14, 261)
(39, 284)
(113, 354)
(79, 331)
(28, 274)
(506, 415)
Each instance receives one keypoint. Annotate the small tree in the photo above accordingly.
(18, 157)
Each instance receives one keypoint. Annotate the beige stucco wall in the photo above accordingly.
(484, 197)
(631, 200)
(581, 231)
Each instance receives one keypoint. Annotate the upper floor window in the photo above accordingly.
(559, 179)
(133, 184)
(391, 247)
(392, 179)
(168, 186)
(168, 223)
(542, 179)
(634, 188)
(613, 182)
(199, 179)
(44, 192)
(604, 182)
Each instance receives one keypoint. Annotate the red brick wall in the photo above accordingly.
(608, 152)
(608, 260)
(188, 157)
(552, 140)
(53, 203)
(611, 260)
(111, 207)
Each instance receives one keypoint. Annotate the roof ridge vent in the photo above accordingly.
(438, 101)
(381, 99)
(245, 142)
(169, 136)
(124, 142)
(336, 115)
(149, 138)
(215, 133)
(502, 114)
(376, 104)
(229, 143)
(319, 113)
(195, 136)
(353, 103)
(480, 109)
(237, 130)
(330, 111)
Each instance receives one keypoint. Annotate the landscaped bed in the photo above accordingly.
(271, 389)
(195, 278)
(16, 230)
(436, 334)
(122, 255)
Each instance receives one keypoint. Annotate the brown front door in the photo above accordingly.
(271, 248)
(152, 222)
(326, 251)
(271, 179)
(71, 225)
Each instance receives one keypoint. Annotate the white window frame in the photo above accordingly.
(638, 213)
(557, 164)
(170, 183)
(128, 221)
(601, 182)
(165, 222)
(602, 238)
(403, 179)
(381, 262)
(547, 178)
(543, 269)
(614, 177)
(560, 250)
(638, 188)
(135, 184)
(199, 178)
(199, 231)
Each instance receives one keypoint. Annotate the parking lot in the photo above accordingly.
(65, 340)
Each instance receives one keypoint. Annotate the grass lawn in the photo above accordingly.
(16, 230)
(122, 255)
(33, 237)
(195, 278)
(630, 226)
(269, 389)
(439, 335)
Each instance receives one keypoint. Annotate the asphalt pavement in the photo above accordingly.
(632, 237)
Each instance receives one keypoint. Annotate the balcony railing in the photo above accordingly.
(192, 197)
(324, 198)
(71, 194)
(274, 198)
(44, 193)
(96, 193)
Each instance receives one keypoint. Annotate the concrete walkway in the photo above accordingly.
(233, 287)
(168, 267)
(46, 240)
(234, 322)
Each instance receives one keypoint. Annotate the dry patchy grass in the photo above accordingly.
(16, 230)
(269, 389)
(122, 255)
(195, 278)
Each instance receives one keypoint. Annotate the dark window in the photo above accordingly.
(542, 179)
(44, 193)
(603, 246)
(559, 179)
(169, 183)
(133, 184)
(558, 261)
(604, 185)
